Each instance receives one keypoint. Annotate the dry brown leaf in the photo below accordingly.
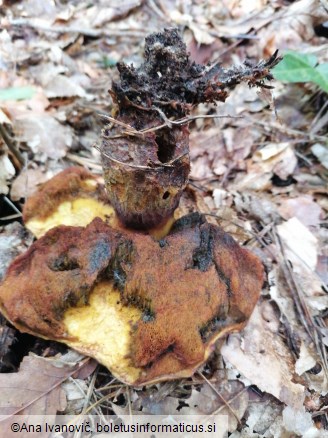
(306, 361)
(34, 389)
(118, 10)
(300, 249)
(295, 25)
(44, 135)
(76, 390)
(303, 208)
(263, 358)
(263, 418)
(27, 182)
(278, 158)
(258, 207)
(62, 86)
(206, 401)
(205, 148)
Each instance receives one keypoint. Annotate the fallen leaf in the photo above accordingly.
(263, 417)
(286, 165)
(76, 390)
(207, 400)
(300, 422)
(205, 148)
(306, 361)
(27, 182)
(258, 207)
(280, 294)
(201, 34)
(120, 10)
(14, 239)
(303, 208)
(7, 171)
(301, 244)
(35, 388)
(44, 135)
(62, 86)
(321, 152)
(263, 358)
(301, 250)
(202, 53)
(269, 151)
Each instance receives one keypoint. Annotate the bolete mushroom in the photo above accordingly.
(146, 296)
(147, 309)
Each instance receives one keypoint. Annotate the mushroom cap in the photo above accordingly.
(147, 309)
(72, 197)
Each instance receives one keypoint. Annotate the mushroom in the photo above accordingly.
(147, 309)
(148, 296)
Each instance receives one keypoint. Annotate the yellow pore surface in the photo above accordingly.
(103, 330)
(78, 212)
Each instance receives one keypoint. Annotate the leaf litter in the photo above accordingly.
(262, 178)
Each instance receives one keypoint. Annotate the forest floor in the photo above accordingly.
(262, 171)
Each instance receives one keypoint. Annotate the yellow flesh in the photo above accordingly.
(102, 329)
(79, 212)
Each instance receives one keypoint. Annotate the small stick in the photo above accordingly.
(12, 145)
(222, 398)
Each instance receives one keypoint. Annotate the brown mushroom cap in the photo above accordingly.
(148, 310)
(72, 197)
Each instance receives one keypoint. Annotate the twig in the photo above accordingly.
(12, 216)
(230, 400)
(84, 162)
(220, 396)
(12, 145)
(285, 130)
(12, 205)
(22, 22)
(101, 400)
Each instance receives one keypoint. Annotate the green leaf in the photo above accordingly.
(321, 77)
(108, 62)
(296, 67)
(17, 93)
